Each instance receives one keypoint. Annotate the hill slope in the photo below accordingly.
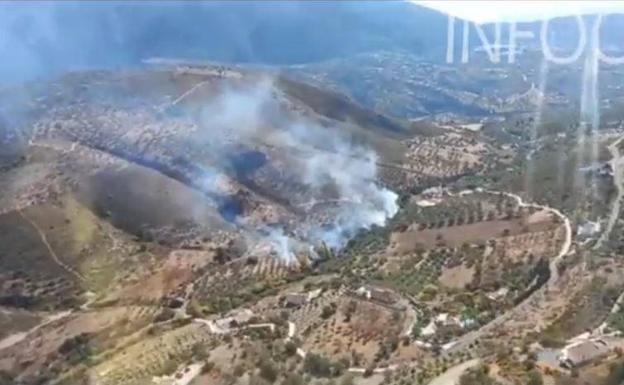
(267, 32)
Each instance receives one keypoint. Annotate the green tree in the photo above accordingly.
(317, 365)
(534, 378)
(268, 371)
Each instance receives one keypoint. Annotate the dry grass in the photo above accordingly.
(457, 277)
(455, 236)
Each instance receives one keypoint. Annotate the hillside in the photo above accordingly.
(124, 33)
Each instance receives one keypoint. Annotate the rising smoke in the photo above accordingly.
(334, 169)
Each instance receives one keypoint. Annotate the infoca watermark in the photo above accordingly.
(498, 50)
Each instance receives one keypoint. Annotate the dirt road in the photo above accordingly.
(20, 336)
(55, 257)
(526, 305)
(617, 161)
(452, 376)
(565, 248)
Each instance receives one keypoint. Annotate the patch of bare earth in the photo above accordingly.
(454, 236)
(457, 277)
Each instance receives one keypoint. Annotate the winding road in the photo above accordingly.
(565, 248)
(525, 306)
(617, 161)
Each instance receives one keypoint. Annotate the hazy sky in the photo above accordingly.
(522, 10)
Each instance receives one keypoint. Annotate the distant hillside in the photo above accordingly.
(563, 33)
(44, 39)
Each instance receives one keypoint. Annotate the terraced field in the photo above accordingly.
(154, 356)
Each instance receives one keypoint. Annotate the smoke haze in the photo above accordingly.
(338, 175)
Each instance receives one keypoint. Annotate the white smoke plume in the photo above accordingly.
(326, 159)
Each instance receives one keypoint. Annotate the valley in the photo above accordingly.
(345, 214)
